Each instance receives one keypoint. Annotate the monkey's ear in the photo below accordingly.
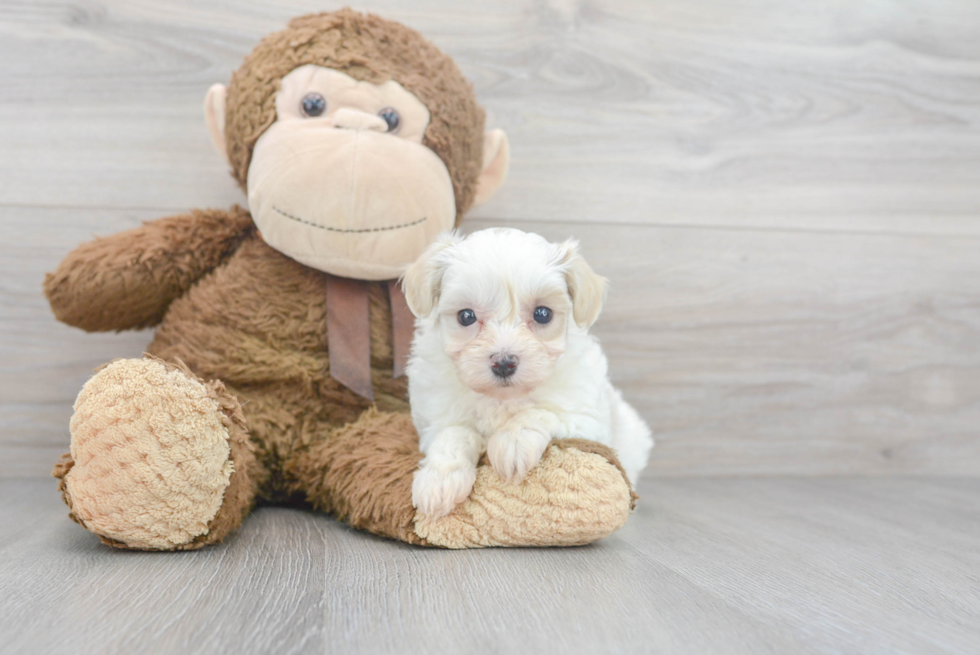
(214, 116)
(585, 286)
(422, 282)
(496, 160)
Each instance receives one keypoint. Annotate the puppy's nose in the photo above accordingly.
(504, 365)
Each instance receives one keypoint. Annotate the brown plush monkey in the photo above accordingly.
(274, 375)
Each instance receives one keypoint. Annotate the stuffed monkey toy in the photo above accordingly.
(275, 374)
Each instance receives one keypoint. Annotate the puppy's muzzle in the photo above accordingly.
(504, 365)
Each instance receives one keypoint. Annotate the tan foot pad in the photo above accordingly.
(151, 455)
(574, 496)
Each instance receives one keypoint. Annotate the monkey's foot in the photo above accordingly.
(158, 458)
(577, 494)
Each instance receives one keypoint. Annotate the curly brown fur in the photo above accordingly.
(363, 474)
(258, 323)
(127, 281)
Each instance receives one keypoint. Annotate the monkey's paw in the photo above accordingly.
(150, 455)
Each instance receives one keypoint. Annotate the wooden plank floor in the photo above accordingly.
(704, 566)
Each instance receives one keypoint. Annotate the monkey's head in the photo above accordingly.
(357, 142)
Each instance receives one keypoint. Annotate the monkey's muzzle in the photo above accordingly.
(354, 203)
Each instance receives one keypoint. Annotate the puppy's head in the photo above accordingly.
(504, 303)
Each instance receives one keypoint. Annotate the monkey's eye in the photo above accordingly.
(543, 315)
(466, 317)
(314, 104)
(392, 118)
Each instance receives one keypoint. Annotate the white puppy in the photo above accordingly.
(502, 362)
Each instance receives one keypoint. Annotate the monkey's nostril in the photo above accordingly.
(504, 366)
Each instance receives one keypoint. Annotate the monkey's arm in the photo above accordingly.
(127, 280)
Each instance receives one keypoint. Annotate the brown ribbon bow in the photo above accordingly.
(349, 332)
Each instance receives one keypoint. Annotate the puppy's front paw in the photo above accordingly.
(437, 489)
(513, 453)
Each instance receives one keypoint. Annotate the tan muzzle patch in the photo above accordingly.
(351, 203)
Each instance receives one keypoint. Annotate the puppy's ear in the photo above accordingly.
(422, 281)
(587, 289)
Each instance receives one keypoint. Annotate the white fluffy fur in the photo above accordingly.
(561, 387)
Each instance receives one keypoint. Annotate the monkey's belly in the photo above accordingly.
(258, 324)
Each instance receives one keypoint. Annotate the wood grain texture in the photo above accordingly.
(703, 566)
(752, 353)
(784, 115)
(265, 594)
(784, 195)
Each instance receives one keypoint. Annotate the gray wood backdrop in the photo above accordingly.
(784, 194)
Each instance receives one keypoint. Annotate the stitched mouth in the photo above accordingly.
(386, 228)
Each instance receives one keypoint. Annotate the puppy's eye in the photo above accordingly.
(313, 104)
(466, 317)
(543, 315)
(392, 118)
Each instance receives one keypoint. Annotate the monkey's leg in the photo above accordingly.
(363, 473)
(160, 460)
